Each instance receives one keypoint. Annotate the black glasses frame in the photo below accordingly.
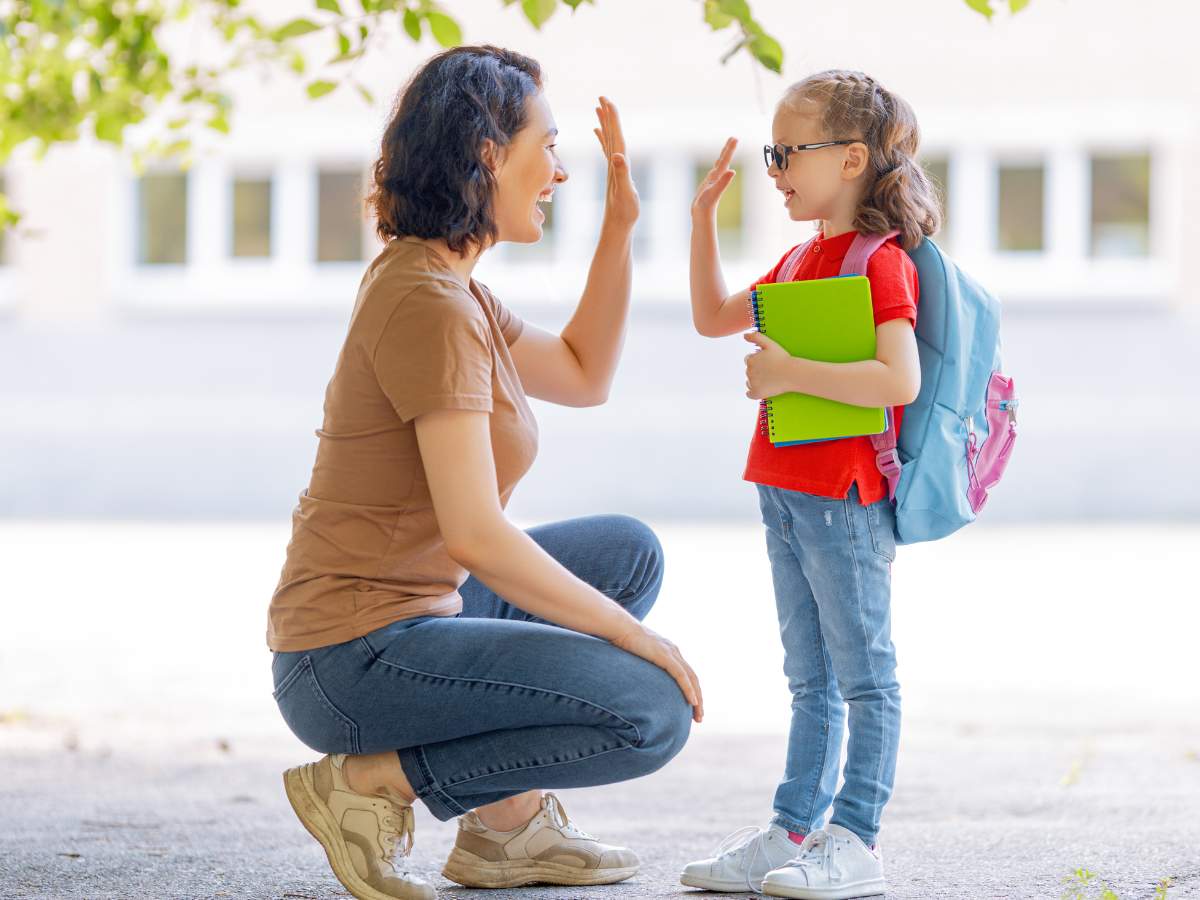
(778, 153)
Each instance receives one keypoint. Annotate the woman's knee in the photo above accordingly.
(636, 543)
(664, 724)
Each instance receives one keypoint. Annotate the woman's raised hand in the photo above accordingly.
(715, 182)
(655, 648)
(621, 205)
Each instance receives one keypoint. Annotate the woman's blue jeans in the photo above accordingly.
(492, 702)
(831, 562)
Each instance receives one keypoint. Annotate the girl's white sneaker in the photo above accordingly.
(739, 864)
(833, 864)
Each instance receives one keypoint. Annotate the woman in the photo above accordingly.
(419, 681)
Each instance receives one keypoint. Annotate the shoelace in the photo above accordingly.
(398, 828)
(739, 842)
(821, 841)
(559, 816)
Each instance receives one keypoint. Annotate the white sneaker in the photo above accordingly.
(743, 858)
(833, 864)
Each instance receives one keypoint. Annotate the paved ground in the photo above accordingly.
(979, 813)
(1051, 717)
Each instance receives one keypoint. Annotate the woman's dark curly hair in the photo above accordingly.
(430, 180)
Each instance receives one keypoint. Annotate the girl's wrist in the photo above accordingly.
(796, 374)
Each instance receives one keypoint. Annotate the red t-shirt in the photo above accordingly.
(830, 468)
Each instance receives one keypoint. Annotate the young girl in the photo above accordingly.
(843, 153)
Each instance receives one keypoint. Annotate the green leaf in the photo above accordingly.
(343, 42)
(575, 4)
(714, 17)
(220, 123)
(412, 24)
(365, 94)
(1015, 6)
(539, 11)
(109, 128)
(739, 9)
(330, 6)
(983, 7)
(768, 52)
(321, 88)
(295, 28)
(445, 30)
(176, 124)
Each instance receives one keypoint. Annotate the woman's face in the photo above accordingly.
(526, 173)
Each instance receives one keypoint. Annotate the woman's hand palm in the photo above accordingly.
(621, 203)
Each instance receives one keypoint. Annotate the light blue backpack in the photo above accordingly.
(958, 435)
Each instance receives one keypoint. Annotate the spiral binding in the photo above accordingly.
(766, 416)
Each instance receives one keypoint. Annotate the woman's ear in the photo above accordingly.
(493, 155)
(858, 157)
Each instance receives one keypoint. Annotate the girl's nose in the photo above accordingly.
(560, 174)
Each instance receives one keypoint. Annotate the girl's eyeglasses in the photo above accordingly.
(778, 154)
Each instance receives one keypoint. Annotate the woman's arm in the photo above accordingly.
(456, 450)
(892, 378)
(715, 313)
(576, 367)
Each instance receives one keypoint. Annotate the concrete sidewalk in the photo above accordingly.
(978, 813)
(1051, 717)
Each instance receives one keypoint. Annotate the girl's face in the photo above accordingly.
(816, 182)
(526, 172)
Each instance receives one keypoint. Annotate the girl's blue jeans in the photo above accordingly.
(492, 702)
(831, 564)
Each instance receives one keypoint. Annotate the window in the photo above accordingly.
(730, 210)
(938, 170)
(1020, 208)
(339, 215)
(1120, 224)
(162, 218)
(251, 218)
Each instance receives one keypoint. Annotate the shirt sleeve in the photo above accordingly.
(770, 277)
(894, 288)
(511, 325)
(435, 352)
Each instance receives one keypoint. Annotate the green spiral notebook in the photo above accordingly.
(825, 319)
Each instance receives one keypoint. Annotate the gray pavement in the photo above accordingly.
(979, 812)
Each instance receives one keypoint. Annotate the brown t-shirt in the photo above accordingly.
(365, 548)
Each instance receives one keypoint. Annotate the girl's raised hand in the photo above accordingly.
(621, 204)
(715, 182)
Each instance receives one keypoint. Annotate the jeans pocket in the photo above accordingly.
(881, 520)
(311, 715)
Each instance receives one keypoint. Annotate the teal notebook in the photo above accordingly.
(828, 320)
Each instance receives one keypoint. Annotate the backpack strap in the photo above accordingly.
(791, 265)
(887, 458)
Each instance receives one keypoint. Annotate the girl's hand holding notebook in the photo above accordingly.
(768, 369)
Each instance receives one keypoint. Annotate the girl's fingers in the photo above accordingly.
(721, 166)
